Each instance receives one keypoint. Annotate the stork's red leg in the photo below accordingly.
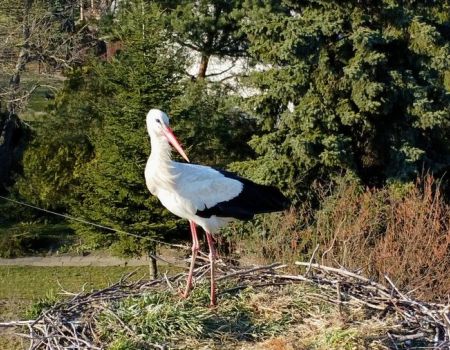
(195, 248)
(212, 257)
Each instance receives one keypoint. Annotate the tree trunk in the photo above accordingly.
(14, 100)
(13, 137)
(81, 11)
(24, 54)
(203, 66)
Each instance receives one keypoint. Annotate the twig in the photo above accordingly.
(311, 260)
(403, 338)
(244, 272)
(345, 273)
(339, 298)
(16, 323)
(168, 262)
(168, 283)
(395, 288)
(392, 340)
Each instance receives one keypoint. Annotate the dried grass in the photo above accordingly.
(399, 231)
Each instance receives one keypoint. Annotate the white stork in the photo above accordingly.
(205, 196)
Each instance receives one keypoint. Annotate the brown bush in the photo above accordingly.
(399, 231)
(415, 249)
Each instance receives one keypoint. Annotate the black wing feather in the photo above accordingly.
(254, 199)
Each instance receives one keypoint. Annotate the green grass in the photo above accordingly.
(239, 318)
(39, 103)
(32, 282)
(254, 318)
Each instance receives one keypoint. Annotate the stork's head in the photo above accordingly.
(158, 128)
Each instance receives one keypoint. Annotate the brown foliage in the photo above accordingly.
(415, 249)
(399, 231)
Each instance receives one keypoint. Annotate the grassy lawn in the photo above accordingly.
(22, 285)
(31, 282)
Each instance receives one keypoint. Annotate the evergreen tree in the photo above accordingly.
(143, 75)
(210, 28)
(55, 159)
(349, 86)
(214, 131)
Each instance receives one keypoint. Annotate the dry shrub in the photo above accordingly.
(404, 234)
(273, 237)
(400, 231)
(415, 249)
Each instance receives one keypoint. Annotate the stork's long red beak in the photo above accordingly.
(174, 142)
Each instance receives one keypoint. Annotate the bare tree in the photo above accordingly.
(36, 31)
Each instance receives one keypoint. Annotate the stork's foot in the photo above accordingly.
(185, 294)
(213, 302)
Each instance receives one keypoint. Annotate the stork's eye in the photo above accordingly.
(158, 121)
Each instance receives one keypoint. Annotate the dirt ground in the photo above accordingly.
(97, 259)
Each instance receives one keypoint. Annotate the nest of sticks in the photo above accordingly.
(71, 324)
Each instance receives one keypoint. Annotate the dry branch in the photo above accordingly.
(429, 320)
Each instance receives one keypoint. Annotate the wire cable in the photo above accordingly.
(83, 221)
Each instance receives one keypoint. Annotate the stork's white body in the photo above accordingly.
(205, 196)
(185, 189)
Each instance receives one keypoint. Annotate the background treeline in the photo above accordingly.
(341, 104)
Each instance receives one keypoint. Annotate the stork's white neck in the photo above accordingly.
(161, 150)
(158, 171)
